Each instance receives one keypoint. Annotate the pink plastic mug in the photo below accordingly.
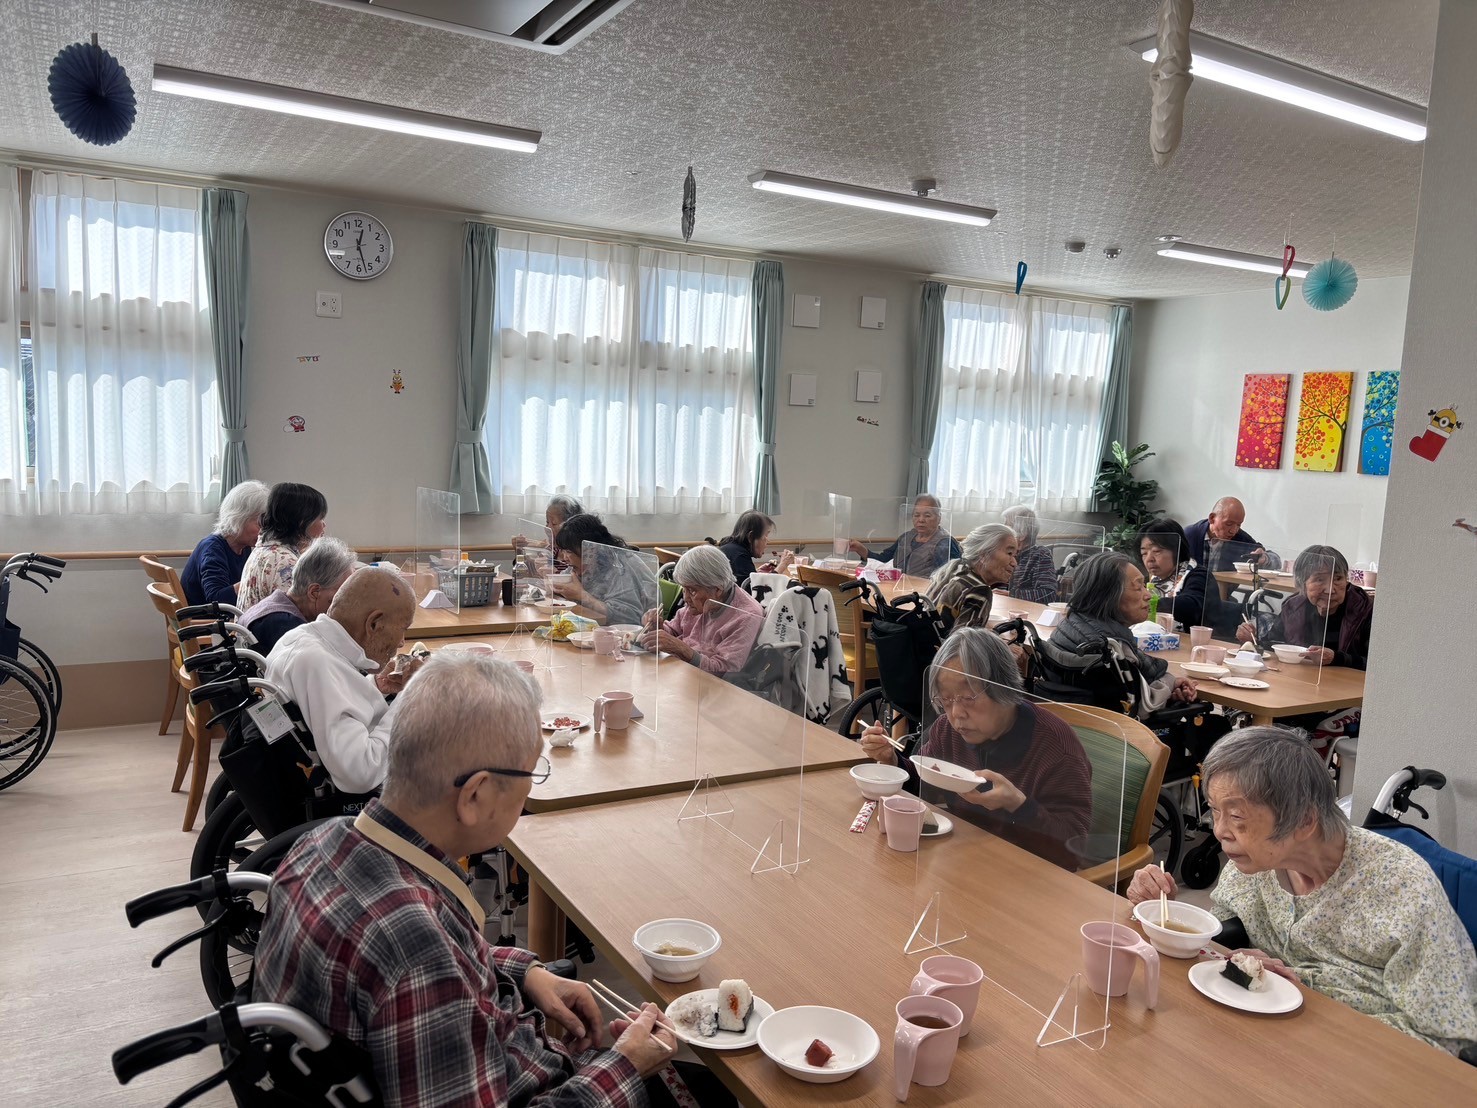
(606, 641)
(955, 979)
(524, 664)
(613, 710)
(1210, 655)
(1109, 953)
(1165, 620)
(925, 1042)
(1199, 636)
(903, 822)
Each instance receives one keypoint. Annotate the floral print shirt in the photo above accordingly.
(1379, 936)
(268, 569)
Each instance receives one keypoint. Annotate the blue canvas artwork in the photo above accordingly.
(1378, 428)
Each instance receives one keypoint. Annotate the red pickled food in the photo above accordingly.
(818, 1053)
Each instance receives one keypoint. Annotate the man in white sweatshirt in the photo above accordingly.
(324, 668)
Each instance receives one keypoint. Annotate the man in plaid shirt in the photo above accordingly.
(372, 930)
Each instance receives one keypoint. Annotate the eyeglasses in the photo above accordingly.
(944, 703)
(539, 773)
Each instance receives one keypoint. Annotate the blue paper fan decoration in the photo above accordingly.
(91, 93)
(1330, 285)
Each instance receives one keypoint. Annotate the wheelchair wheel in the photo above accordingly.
(1167, 835)
(220, 788)
(228, 838)
(227, 955)
(1202, 865)
(27, 722)
(869, 708)
(36, 660)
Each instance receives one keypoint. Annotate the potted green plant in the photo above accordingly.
(1127, 497)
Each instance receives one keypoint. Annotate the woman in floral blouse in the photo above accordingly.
(1348, 912)
(294, 518)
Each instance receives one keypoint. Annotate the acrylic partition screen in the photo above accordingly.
(1019, 817)
(913, 537)
(839, 509)
(438, 546)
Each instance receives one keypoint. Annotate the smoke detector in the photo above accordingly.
(1112, 251)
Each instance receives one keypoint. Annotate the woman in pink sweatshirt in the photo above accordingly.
(716, 626)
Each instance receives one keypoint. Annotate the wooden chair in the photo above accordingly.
(1126, 819)
(166, 577)
(195, 739)
(666, 555)
(861, 655)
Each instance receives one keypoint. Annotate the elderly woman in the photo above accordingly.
(1109, 596)
(609, 584)
(316, 578)
(1327, 614)
(1036, 788)
(1165, 552)
(718, 622)
(1348, 912)
(964, 587)
(559, 509)
(1035, 574)
(214, 566)
(295, 516)
(750, 540)
(923, 549)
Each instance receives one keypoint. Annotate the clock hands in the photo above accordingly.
(359, 246)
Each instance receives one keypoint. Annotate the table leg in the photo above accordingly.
(1262, 720)
(545, 923)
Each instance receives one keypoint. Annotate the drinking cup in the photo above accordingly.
(953, 978)
(1109, 953)
(904, 821)
(606, 641)
(524, 664)
(1165, 620)
(613, 710)
(1199, 636)
(924, 1043)
(1210, 655)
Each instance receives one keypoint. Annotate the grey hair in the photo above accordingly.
(566, 506)
(1276, 768)
(1022, 520)
(984, 659)
(460, 712)
(245, 502)
(985, 539)
(1097, 586)
(325, 563)
(930, 500)
(1316, 559)
(703, 567)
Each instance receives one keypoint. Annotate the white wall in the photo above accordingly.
(1422, 697)
(1190, 358)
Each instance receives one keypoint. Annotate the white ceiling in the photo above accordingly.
(1034, 107)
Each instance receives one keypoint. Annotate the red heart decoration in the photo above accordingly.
(1289, 252)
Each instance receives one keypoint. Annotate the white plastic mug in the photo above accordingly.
(613, 710)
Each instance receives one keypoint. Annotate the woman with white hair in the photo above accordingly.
(716, 626)
(214, 567)
(1035, 575)
(965, 586)
(1346, 911)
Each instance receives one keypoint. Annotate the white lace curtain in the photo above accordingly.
(12, 384)
(624, 378)
(1020, 403)
(127, 418)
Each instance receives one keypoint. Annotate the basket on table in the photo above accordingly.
(474, 587)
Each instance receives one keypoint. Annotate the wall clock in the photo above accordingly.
(358, 245)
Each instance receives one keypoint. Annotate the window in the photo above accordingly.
(624, 377)
(28, 382)
(1020, 401)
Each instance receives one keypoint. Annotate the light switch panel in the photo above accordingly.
(807, 311)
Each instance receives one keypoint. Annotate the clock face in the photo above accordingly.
(358, 245)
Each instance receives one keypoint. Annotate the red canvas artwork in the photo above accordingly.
(1263, 418)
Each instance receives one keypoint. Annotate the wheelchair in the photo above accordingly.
(30, 684)
(906, 634)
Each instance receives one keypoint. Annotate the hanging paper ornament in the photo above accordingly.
(689, 205)
(1330, 285)
(1282, 287)
(1170, 79)
(1020, 276)
(91, 93)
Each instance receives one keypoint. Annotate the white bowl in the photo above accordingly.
(786, 1036)
(687, 932)
(1292, 655)
(1177, 944)
(1244, 667)
(1242, 567)
(947, 775)
(471, 647)
(876, 780)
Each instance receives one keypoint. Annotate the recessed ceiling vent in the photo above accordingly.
(552, 26)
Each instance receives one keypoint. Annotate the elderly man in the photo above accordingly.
(1217, 540)
(372, 930)
(316, 579)
(923, 549)
(322, 667)
(718, 622)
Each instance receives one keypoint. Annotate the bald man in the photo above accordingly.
(323, 667)
(1209, 538)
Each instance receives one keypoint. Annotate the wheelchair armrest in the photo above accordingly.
(562, 967)
(165, 1046)
(1163, 717)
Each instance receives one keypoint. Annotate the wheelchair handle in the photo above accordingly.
(166, 1046)
(214, 886)
(227, 632)
(45, 571)
(214, 610)
(236, 686)
(47, 560)
(226, 655)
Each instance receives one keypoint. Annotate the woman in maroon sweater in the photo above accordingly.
(1036, 786)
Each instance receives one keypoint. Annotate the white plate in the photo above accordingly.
(1282, 997)
(585, 640)
(1201, 669)
(551, 603)
(945, 825)
(728, 1040)
(546, 721)
(1244, 683)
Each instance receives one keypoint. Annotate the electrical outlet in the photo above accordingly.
(330, 304)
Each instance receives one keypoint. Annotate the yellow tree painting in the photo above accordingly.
(1323, 417)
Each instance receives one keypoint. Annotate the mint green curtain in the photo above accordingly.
(928, 372)
(476, 346)
(769, 318)
(1115, 395)
(227, 258)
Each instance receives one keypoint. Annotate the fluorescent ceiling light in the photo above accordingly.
(876, 199)
(1229, 64)
(339, 109)
(1232, 259)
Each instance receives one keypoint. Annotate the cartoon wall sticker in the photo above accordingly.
(1465, 526)
(295, 423)
(397, 386)
(869, 422)
(1428, 444)
(301, 358)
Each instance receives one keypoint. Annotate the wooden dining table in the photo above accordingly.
(833, 934)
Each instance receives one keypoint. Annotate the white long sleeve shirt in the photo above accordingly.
(324, 672)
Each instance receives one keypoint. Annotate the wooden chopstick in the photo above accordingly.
(620, 1005)
(895, 744)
